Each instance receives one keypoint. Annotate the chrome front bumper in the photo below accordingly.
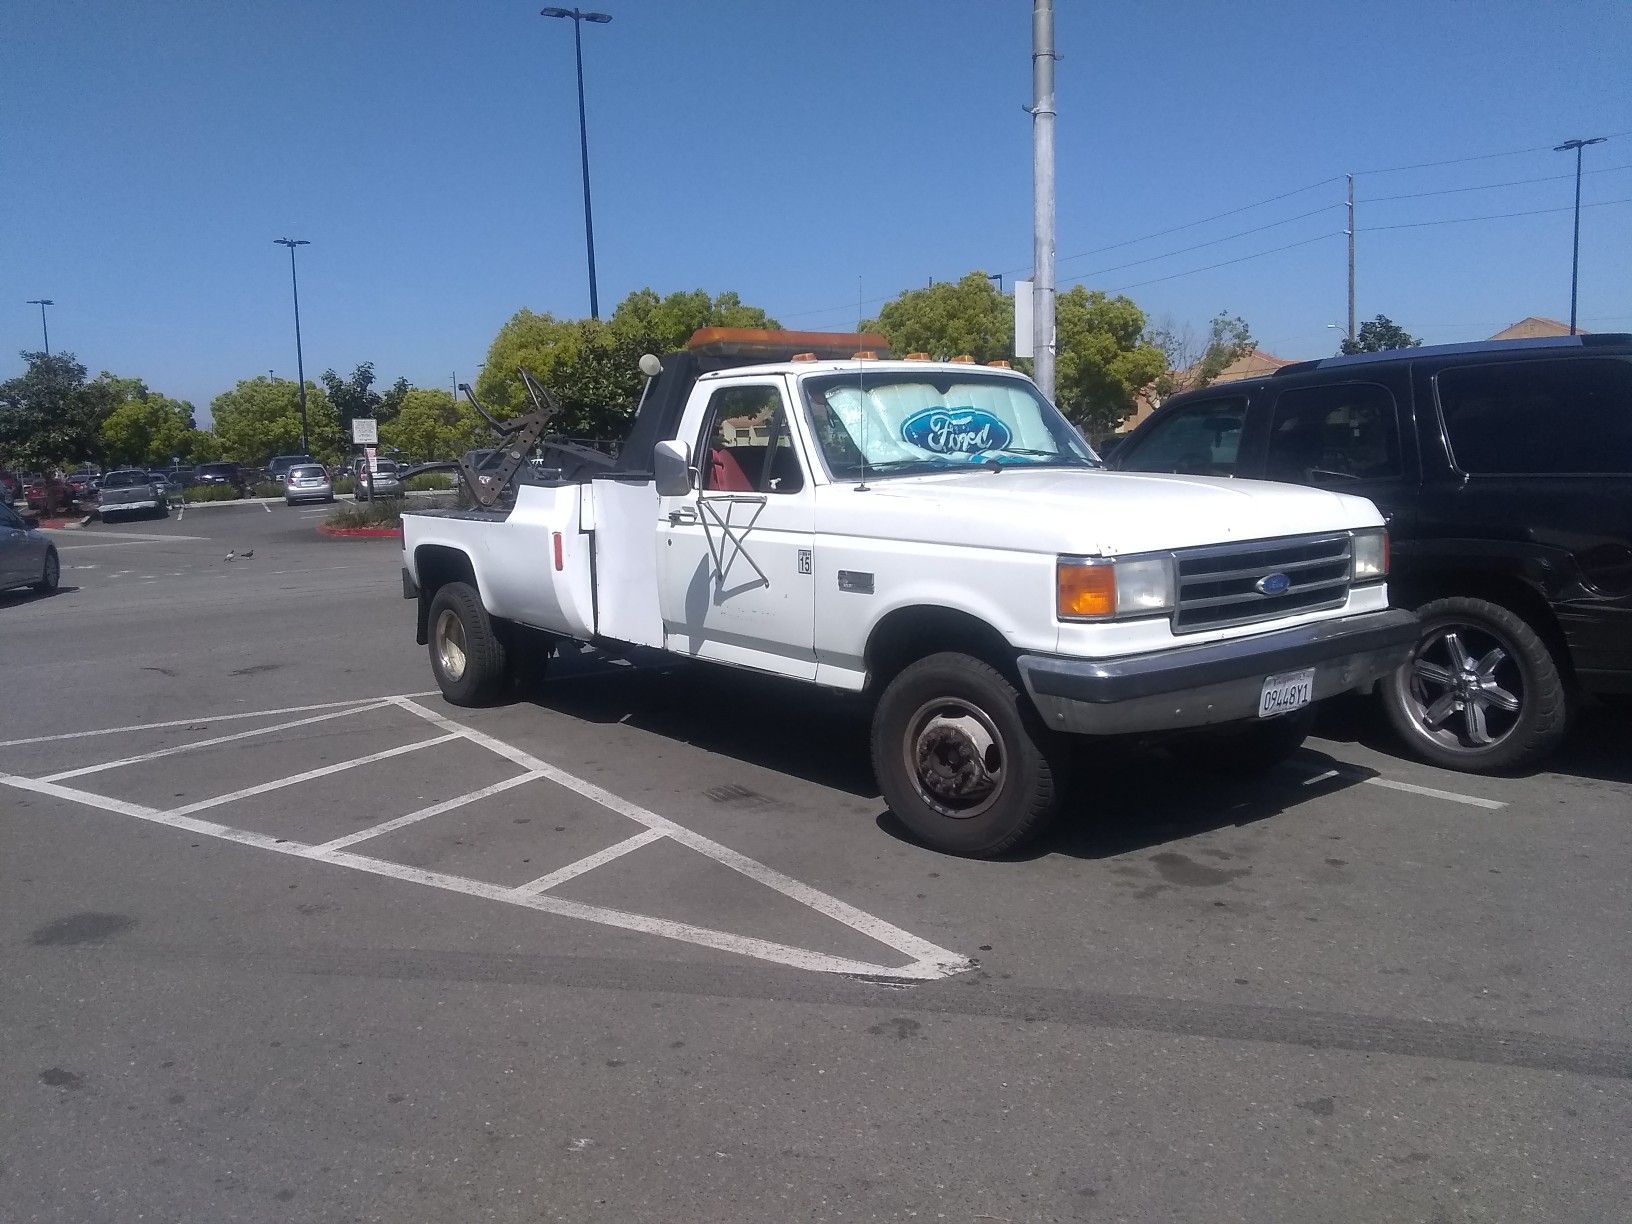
(1213, 682)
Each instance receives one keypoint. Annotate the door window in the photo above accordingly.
(1570, 415)
(1200, 439)
(745, 444)
(8, 518)
(1334, 435)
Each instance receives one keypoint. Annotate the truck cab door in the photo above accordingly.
(735, 552)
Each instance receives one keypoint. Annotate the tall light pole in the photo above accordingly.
(300, 360)
(1575, 258)
(42, 303)
(1042, 190)
(578, 18)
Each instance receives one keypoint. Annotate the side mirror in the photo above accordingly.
(671, 464)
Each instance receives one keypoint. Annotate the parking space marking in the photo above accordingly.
(311, 775)
(436, 809)
(203, 721)
(573, 870)
(1411, 788)
(209, 743)
(927, 960)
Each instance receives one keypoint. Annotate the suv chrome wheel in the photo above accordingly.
(1465, 690)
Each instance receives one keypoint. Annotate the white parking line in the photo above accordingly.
(1355, 774)
(205, 720)
(573, 870)
(311, 774)
(208, 743)
(436, 809)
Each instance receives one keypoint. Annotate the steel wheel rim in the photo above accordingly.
(1464, 688)
(956, 757)
(450, 644)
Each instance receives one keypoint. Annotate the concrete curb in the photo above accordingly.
(359, 533)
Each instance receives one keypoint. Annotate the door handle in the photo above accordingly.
(683, 515)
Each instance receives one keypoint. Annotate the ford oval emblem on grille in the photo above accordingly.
(1273, 584)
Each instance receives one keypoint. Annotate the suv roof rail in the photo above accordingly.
(1597, 339)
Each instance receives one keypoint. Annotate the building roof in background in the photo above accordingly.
(1534, 327)
(1253, 365)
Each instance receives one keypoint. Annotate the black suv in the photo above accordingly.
(1504, 470)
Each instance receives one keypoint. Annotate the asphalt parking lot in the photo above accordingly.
(288, 938)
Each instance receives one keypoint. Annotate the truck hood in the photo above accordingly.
(1091, 512)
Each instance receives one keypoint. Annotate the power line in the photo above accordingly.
(1550, 178)
(1457, 161)
(1313, 212)
(1534, 212)
(1225, 263)
(1285, 195)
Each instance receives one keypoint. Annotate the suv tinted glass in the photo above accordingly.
(1201, 439)
(1566, 415)
(1334, 435)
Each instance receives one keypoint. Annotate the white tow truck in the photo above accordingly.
(932, 533)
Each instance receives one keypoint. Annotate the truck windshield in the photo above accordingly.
(906, 424)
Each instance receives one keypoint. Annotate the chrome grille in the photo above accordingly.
(1218, 586)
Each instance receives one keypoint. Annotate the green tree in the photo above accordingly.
(1379, 334)
(1103, 358)
(51, 415)
(260, 417)
(953, 318)
(1193, 363)
(431, 424)
(592, 366)
(148, 430)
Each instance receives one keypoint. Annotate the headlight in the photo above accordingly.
(1370, 562)
(1097, 589)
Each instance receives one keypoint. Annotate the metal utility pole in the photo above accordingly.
(300, 360)
(1042, 188)
(1351, 260)
(578, 18)
(1575, 258)
(45, 333)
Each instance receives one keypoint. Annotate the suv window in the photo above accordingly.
(1333, 435)
(746, 447)
(1200, 439)
(1565, 415)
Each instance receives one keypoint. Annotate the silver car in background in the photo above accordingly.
(27, 558)
(133, 492)
(307, 482)
(386, 482)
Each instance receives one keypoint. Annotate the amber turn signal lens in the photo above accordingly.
(1085, 592)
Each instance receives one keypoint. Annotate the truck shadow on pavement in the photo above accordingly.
(1122, 798)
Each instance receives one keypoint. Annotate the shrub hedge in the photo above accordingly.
(210, 493)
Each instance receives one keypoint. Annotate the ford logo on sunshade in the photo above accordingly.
(955, 431)
(1273, 584)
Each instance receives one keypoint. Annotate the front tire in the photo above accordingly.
(50, 573)
(1482, 692)
(467, 657)
(961, 759)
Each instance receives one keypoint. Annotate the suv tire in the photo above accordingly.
(467, 657)
(1482, 693)
(50, 573)
(961, 758)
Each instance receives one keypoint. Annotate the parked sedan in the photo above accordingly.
(11, 488)
(40, 490)
(27, 558)
(228, 474)
(133, 491)
(307, 482)
(386, 481)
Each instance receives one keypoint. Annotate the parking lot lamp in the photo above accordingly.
(42, 303)
(1575, 258)
(578, 18)
(300, 360)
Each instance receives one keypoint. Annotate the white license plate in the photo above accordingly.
(1285, 693)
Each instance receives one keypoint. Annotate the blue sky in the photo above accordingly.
(788, 150)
